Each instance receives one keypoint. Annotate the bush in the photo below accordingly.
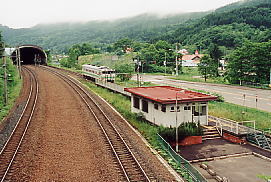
(124, 76)
(153, 68)
(184, 130)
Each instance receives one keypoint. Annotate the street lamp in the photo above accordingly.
(176, 60)
(165, 62)
(176, 111)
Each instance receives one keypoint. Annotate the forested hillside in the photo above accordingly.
(61, 36)
(227, 27)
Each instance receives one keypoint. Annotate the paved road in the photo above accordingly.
(250, 97)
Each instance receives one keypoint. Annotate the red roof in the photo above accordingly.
(192, 57)
(167, 94)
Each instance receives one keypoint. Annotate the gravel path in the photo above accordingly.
(64, 142)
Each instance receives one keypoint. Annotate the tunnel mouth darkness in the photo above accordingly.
(29, 54)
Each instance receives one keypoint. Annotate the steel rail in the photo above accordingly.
(32, 75)
(65, 78)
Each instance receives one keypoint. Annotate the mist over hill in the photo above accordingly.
(227, 26)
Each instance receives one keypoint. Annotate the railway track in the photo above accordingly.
(128, 164)
(13, 144)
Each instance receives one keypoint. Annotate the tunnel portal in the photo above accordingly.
(29, 54)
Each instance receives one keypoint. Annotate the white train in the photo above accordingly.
(100, 73)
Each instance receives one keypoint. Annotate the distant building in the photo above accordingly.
(158, 105)
(192, 60)
(128, 50)
(8, 51)
(183, 51)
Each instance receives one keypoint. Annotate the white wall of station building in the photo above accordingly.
(165, 115)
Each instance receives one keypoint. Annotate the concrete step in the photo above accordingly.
(211, 138)
(210, 132)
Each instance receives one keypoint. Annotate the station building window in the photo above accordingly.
(163, 108)
(199, 110)
(145, 106)
(136, 102)
(156, 106)
(204, 110)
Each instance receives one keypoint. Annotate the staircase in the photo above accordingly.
(210, 133)
(259, 139)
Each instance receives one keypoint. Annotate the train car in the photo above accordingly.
(98, 73)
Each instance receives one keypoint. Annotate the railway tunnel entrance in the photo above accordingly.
(29, 54)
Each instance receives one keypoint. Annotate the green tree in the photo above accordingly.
(49, 56)
(250, 63)
(215, 54)
(78, 50)
(125, 71)
(150, 55)
(207, 66)
(163, 48)
(1, 46)
(122, 44)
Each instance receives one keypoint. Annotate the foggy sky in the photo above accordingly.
(27, 13)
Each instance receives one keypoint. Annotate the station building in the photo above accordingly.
(158, 105)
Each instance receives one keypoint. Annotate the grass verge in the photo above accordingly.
(14, 88)
(240, 113)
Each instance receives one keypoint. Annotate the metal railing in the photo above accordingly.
(232, 126)
(181, 162)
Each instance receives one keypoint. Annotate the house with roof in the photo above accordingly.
(192, 60)
(168, 106)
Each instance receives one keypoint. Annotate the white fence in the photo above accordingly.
(232, 126)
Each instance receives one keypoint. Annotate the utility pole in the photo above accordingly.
(19, 59)
(5, 77)
(165, 63)
(176, 60)
(138, 82)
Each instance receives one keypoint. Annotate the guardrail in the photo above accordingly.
(181, 162)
